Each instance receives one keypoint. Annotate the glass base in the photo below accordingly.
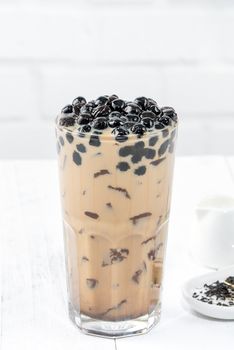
(117, 329)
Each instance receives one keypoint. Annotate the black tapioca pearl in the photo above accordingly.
(159, 126)
(92, 236)
(142, 102)
(149, 153)
(139, 129)
(100, 123)
(153, 140)
(91, 282)
(163, 148)
(140, 171)
(77, 158)
(173, 133)
(128, 125)
(101, 172)
(84, 119)
(101, 111)
(58, 147)
(148, 122)
(137, 157)
(165, 132)
(94, 141)
(152, 102)
(61, 140)
(135, 218)
(157, 162)
(133, 117)
(79, 101)
(115, 114)
(139, 145)
(154, 109)
(115, 122)
(91, 215)
(118, 105)
(125, 151)
(148, 114)
(88, 108)
(109, 205)
(67, 109)
(132, 108)
(165, 120)
(69, 137)
(67, 121)
(81, 148)
(121, 134)
(102, 100)
(84, 129)
(123, 166)
(171, 147)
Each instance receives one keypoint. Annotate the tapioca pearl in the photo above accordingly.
(84, 119)
(148, 114)
(147, 122)
(69, 137)
(84, 129)
(58, 147)
(163, 148)
(67, 109)
(132, 108)
(79, 101)
(118, 105)
(115, 122)
(164, 120)
(61, 140)
(91, 283)
(165, 132)
(81, 148)
(94, 141)
(142, 102)
(159, 126)
(139, 145)
(128, 125)
(88, 108)
(121, 134)
(149, 153)
(76, 158)
(112, 98)
(125, 151)
(140, 171)
(152, 102)
(101, 111)
(136, 158)
(100, 123)
(115, 114)
(139, 129)
(102, 100)
(154, 109)
(153, 140)
(67, 121)
(123, 166)
(132, 117)
(173, 133)
(171, 147)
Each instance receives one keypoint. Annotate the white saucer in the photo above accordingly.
(211, 310)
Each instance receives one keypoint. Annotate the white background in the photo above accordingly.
(179, 52)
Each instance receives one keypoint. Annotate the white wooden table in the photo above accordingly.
(33, 293)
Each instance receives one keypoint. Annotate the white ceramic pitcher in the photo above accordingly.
(212, 241)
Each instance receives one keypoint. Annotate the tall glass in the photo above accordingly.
(116, 201)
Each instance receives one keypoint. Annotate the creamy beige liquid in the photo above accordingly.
(115, 222)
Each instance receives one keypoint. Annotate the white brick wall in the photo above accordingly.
(180, 52)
